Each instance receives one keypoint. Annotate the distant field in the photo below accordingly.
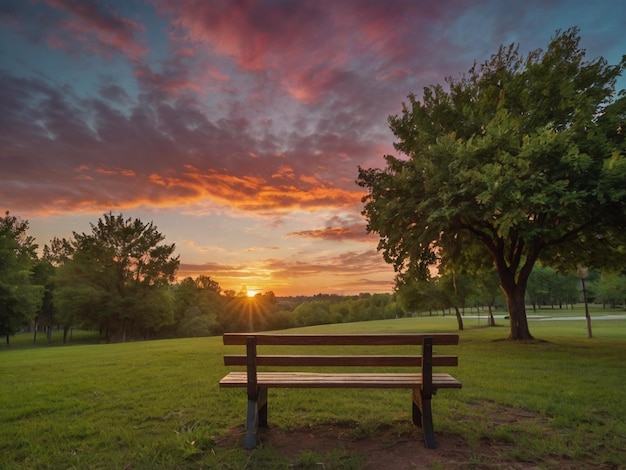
(157, 404)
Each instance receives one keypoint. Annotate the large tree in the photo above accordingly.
(116, 278)
(20, 297)
(521, 159)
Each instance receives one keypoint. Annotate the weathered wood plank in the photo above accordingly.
(340, 339)
(339, 360)
(338, 380)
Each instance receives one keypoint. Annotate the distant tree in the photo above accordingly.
(565, 289)
(547, 286)
(393, 309)
(205, 283)
(516, 156)
(539, 288)
(196, 306)
(20, 298)
(58, 252)
(611, 289)
(43, 275)
(488, 291)
(455, 289)
(117, 278)
(416, 296)
(258, 313)
(315, 312)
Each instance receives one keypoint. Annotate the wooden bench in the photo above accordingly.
(419, 378)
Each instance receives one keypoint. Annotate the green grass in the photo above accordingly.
(158, 405)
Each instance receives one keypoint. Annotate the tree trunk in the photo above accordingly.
(492, 321)
(514, 294)
(459, 319)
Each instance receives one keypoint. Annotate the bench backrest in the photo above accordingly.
(426, 361)
(367, 360)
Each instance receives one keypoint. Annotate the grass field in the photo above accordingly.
(157, 404)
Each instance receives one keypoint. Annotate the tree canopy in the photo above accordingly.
(521, 159)
(20, 297)
(116, 278)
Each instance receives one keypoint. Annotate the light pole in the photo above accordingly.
(582, 274)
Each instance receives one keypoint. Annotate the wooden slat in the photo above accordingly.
(341, 339)
(333, 360)
(321, 380)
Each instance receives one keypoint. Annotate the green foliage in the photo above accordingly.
(512, 164)
(363, 307)
(611, 289)
(258, 313)
(43, 275)
(451, 290)
(116, 278)
(549, 287)
(20, 297)
(196, 303)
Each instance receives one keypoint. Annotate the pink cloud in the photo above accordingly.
(305, 44)
(251, 32)
(261, 106)
(98, 28)
(166, 152)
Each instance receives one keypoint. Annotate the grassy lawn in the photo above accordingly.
(157, 404)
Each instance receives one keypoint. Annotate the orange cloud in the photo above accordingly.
(115, 172)
(250, 193)
(355, 233)
(284, 172)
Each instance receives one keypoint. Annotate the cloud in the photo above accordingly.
(258, 109)
(349, 272)
(254, 34)
(335, 233)
(155, 150)
(94, 29)
(77, 27)
(352, 263)
(193, 132)
(338, 229)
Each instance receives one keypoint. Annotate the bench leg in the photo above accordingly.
(262, 403)
(256, 416)
(423, 418)
(252, 424)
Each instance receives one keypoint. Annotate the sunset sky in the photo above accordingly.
(237, 126)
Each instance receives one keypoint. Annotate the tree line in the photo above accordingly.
(120, 279)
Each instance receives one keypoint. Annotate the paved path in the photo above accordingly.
(582, 317)
(549, 318)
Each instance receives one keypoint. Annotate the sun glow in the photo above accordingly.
(251, 293)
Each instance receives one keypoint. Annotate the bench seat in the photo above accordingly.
(338, 380)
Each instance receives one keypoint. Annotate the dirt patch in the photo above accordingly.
(386, 447)
(400, 446)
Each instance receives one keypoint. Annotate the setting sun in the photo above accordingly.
(252, 293)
